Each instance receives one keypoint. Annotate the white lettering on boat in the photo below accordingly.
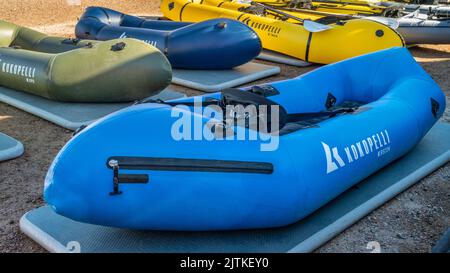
(25, 71)
(150, 42)
(378, 142)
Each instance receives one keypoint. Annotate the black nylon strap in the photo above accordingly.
(207, 102)
(305, 116)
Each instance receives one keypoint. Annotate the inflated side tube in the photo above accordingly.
(125, 171)
(421, 30)
(340, 41)
(440, 11)
(426, 26)
(71, 70)
(212, 44)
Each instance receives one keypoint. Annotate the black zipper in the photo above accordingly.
(116, 163)
(190, 164)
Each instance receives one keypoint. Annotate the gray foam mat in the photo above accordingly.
(59, 234)
(276, 57)
(443, 245)
(69, 115)
(9, 147)
(215, 80)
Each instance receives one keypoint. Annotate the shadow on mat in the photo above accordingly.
(429, 53)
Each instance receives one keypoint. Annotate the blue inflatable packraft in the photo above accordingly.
(158, 166)
(213, 44)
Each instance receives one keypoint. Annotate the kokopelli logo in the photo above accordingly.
(18, 69)
(378, 142)
(333, 157)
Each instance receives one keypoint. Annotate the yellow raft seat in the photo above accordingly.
(342, 41)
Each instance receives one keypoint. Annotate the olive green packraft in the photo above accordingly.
(73, 70)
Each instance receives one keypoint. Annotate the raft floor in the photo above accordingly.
(59, 234)
(9, 147)
(216, 80)
(69, 115)
(272, 56)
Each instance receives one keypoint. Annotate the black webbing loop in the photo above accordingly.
(306, 116)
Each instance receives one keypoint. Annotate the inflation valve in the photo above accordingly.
(118, 47)
(70, 41)
(221, 25)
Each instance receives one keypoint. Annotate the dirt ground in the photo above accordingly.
(411, 222)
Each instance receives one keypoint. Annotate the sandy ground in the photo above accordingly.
(411, 222)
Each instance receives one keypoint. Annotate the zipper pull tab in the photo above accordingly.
(118, 178)
(114, 164)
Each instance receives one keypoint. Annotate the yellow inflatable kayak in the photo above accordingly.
(337, 42)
